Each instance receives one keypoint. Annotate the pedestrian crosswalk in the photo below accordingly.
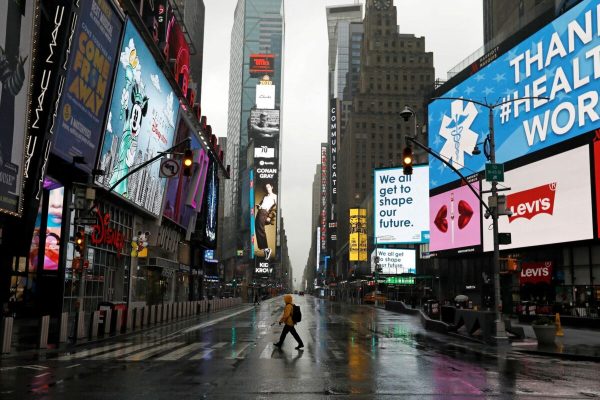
(165, 351)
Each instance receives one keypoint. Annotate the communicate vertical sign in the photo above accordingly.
(333, 130)
(323, 212)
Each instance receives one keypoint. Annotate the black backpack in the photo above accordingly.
(296, 314)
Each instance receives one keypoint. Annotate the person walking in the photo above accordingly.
(286, 318)
(256, 298)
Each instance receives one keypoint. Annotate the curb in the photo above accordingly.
(565, 356)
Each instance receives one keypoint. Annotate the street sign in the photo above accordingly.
(169, 168)
(86, 221)
(494, 172)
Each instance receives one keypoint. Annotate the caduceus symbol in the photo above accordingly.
(456, 129)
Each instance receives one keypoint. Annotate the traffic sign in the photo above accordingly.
(494, 172)
(169, 168)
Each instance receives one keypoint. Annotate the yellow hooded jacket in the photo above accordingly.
(287, 311)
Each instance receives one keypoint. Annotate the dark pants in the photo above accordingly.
(259, 229)
(291, 329)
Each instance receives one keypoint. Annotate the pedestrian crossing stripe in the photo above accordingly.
(179, 353)
(91, 352)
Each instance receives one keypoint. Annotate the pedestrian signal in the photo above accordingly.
(79, 241)
(407, 161)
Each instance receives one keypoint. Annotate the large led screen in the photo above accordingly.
(16, 20)
(141, 123)
(455, 219)
(212, 203)
(357, 243)
(86, 93)
(401, 209)
(264, 124)
(265, 203)
(550, 200)
(560, 62)
(394, 261)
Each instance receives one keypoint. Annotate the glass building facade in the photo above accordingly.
(257, 29)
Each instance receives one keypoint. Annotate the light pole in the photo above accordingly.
(492, 209)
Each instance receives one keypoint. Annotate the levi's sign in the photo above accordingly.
(559, 66)
(536, 272)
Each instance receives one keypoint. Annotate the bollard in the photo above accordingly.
(80, 325)
(159, 310)
(6, 334)
(44, 328)
(119, 321)
(94, 324)
(152, 320)
(138, 317)
(129, 321)
(145, 316)
(166, 312)
(180, 311)
(63, 330)
(107, 321)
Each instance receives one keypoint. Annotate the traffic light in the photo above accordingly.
(407, 161)
(188, 162)
(79, 242)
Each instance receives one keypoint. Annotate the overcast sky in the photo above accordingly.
(452, 30)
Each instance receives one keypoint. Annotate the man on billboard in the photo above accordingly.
(264, 128)
(266, 214)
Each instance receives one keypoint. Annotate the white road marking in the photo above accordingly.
(74, 365)
(219, 345)
(122, 352)
(44, 374)
(91, 352)
(149, 353)
(268, 351)
(177, 354)
(202, 355)
(237, 354)
(210, 323)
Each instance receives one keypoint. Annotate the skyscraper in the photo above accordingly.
(256, 47)
(395, 71)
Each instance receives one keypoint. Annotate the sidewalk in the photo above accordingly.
(27, 330)
(577, 343)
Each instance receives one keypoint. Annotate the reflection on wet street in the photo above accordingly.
(351, 352)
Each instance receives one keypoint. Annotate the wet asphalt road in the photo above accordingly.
(351, 352)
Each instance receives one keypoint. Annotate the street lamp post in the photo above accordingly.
(493, 208)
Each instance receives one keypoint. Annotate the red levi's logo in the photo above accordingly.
(536, 272)
(531, 202)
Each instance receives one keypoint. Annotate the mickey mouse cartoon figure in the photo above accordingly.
(139, 245)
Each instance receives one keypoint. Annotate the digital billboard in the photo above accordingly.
(401, 209)
(550, 201)
(333, 147)
(263, 124)
(560, 62)
(596, 147)
(212, 203)
(394, 261)
(262, 64)
(264, 200)
(141, 123)
(88, 82)
(16, 20)
(265, 97)
(357, 243)
(323, 197)
(455, 219)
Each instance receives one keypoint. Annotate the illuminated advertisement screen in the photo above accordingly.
(455, 219)
(263, 124)
(357, 244)
(90, 70)
(596, 146)
(265, 97)
(262, 64)
(16, 20)
(53, 228)
(265, 207)
(559, 62)
(179, 186)
(141, 123)
(394, 261)
(212, 203)
(548, 204)
(401, 208)
(323, 205)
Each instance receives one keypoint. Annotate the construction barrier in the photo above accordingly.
(44, 329)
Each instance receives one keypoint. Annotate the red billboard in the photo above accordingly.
(536, 272)
(262, 64)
